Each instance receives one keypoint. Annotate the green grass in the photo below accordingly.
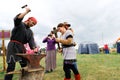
(91, 67)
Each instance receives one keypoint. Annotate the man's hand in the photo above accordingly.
(27, 10)
(24, 13)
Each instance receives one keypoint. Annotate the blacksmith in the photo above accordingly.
(21, 34)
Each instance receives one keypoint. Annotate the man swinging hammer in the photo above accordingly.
(21, 34)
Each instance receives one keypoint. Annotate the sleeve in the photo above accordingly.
(31, 41)
(54, 40)
(17, 21)
(69, 34)
(45, 40)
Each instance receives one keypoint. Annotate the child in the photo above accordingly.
(69, 52)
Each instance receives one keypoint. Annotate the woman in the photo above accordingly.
(50, 53)
(69, 52)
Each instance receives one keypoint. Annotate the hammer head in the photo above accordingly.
(24, 6)
(55, 29)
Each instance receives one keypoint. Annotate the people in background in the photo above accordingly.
(118, 45)
(50, 60)
(106, 49)
(69, 52)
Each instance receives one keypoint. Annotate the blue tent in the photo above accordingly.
(88, 48)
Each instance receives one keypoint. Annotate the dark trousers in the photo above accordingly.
(67, 69)
(118, 47)
(11, 67)
(106, 51)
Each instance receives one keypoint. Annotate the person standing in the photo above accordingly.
(106, 49)
(69, 52)
(50, 53)
(21, 34)
(118, 45)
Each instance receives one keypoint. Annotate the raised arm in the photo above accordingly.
(24, 13)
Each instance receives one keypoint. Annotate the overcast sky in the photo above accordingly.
(92, 20)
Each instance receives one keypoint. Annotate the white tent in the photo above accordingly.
(88, 48)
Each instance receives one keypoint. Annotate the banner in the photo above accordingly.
(5, 34)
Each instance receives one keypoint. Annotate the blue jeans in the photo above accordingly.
(67, 69)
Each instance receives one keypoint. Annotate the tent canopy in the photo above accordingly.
(88, 48)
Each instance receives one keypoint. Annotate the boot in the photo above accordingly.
(77, 77)
(66, 79)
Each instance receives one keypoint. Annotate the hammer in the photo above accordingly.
(24, 6)
(55, 32)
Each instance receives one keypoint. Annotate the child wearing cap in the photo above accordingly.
(69, 52)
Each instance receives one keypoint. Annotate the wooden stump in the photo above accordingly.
(33, 74)
(33, 71)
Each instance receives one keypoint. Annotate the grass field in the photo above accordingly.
(91, 67)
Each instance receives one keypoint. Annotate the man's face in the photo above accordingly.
(31, 23)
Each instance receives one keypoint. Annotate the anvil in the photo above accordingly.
(32, 59)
